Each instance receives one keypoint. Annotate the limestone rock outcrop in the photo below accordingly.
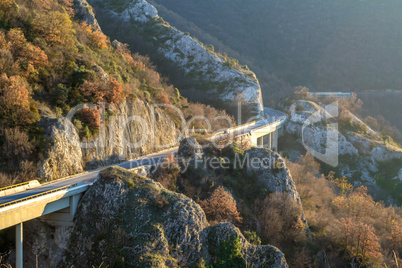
(136, 128)
(189, 148)
(361, 152)
(64, 156)
(212, 78)
(272, 171)
(83, 11)
(130, 219)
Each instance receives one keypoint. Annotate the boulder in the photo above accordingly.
(128, 219)
(190, 148)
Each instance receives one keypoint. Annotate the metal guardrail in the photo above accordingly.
(37, 195)
(14, 186)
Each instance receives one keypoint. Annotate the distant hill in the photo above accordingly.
(324, 45)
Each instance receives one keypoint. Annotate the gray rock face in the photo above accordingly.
(136, 128)
(124, 216)
(255, 256)
(84, 12)
(218, 82)
(64, 156)
(47, 243)
(190, 148)
(272, 170)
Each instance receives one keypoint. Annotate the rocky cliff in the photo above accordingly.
(212, 78)
(63, 156)
(363, 156)
(272, 170)
(134, 128)
(126, 219)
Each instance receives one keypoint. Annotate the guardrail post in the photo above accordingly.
(18, 245)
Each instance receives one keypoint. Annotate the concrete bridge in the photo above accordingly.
(57, 202)
(336, 94)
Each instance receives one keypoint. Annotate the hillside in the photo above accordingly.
(55, 58)
(201, 73)
(72, 100)
(323, 45)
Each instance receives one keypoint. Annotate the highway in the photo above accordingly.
(272, 116)
(89, 177)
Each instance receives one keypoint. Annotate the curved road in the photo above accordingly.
(272, 116)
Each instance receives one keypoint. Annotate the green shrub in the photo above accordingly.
(228, 254)
(252, 237)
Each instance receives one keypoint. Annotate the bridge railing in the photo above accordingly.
(37, 195)
(14, 186)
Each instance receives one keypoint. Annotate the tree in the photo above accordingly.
(280, 220)
(98, 40)
(221, 206)
(55, 27)
(358, 204)
(16, 147)
(17, 41)
(68, 5)
(91, 117)
(360, 241)
(114, 93)
(92, 91)
(14, 102)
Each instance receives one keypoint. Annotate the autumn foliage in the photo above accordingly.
(96, 92)
(91, 117)
(347, 223)
(221, 207)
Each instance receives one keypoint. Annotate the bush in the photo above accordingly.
(221, 207)
(252, 237)
(229, 254)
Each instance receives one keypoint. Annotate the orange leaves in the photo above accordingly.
(14, 102)
(68, 5)
(15, 93)
(91, 117)
(26, 55)
(125, 51)
(115, 93)
(97, 39)
(17, 40)
(221, 206)
(97, 92)
(360, 241)
(92, 91)
(34, 55)
(139, 65)
(357, 204)
(43, 4)
(162, 97)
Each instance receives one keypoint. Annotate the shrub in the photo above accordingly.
(221, 207)
(280, 220)
(167, 173)
(252, 237)
(229, 254)
(91, 117)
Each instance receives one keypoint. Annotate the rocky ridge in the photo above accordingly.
(126, 218)
(217, 80)
(137, 128)
(361, 156)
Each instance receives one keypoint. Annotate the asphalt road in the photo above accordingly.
(89, 177)
(153, 159)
